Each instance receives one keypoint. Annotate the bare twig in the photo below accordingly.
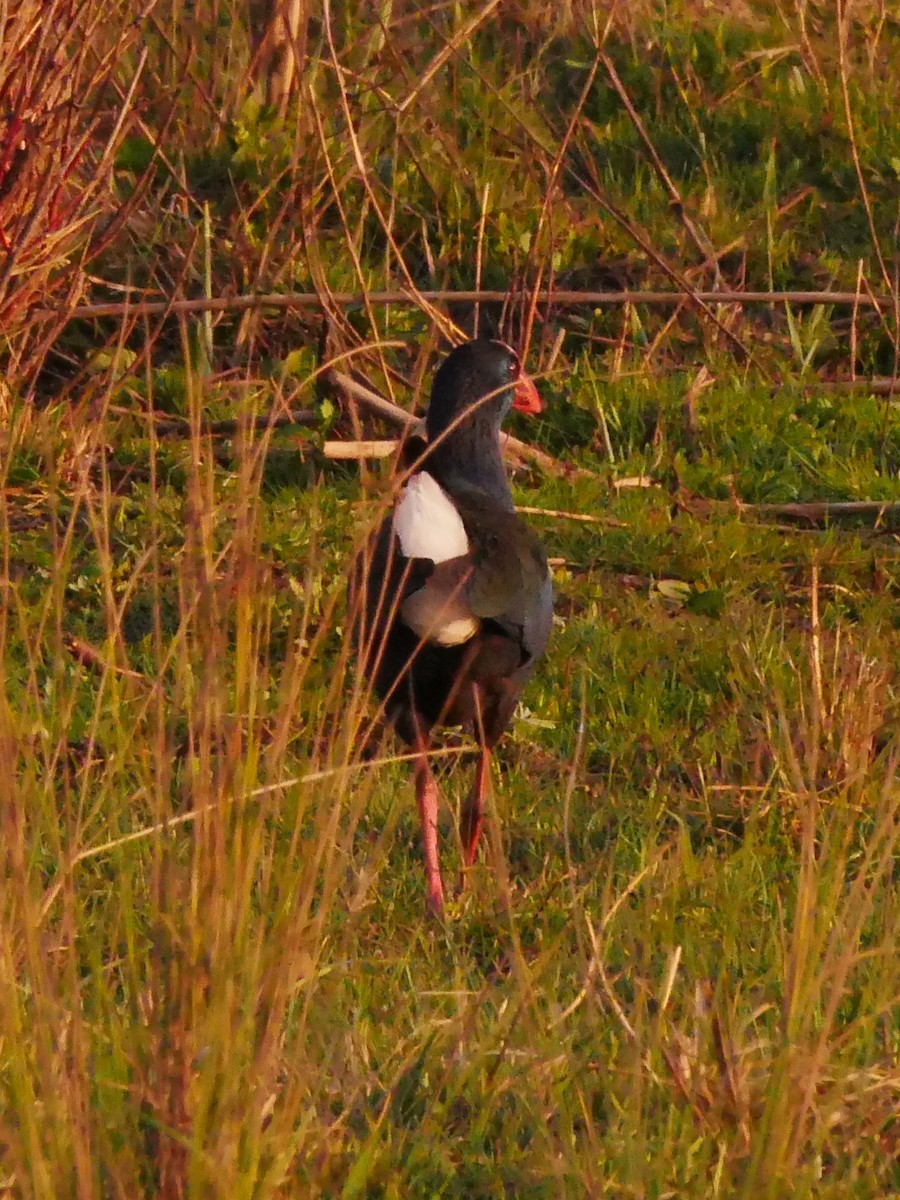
(813, 511)
(634, 481)
(452, 47)
(587, 518)
(371, 400)
(399, 416)
(874, 387)
(697, 235)
(550, 192)
(357, 449)
(187, 818)
(821, 510)
(650, 297)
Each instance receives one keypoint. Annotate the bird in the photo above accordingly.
(451, 597)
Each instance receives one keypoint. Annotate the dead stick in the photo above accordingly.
(540, 459)
(355, 450)
(393, 412)
(875, 387)
(811, 510)
(664, 299)
(371, 400)
(587, 518)
(817, 510)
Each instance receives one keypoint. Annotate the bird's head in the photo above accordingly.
(477, 384)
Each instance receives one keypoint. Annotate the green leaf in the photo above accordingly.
(117, 359)
(708, 602)
(359, 1173)
(293, 363)
(135, 154)
(674, 592)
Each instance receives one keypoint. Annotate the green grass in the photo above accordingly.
(674, 972)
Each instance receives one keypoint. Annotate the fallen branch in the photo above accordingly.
(821, 510)
(661, 299)
(634, 481)
(875, 387)
(372, 400)
(345, 451)
(541, 459)
(812, 511)
(357, 450)
(399, 416)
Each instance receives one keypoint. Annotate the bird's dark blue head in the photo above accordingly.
(476, 385)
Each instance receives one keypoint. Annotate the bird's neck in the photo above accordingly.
(468, 460)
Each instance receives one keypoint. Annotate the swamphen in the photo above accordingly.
(451, 597)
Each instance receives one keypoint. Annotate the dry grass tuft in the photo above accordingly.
(216, 978)
(64, 108)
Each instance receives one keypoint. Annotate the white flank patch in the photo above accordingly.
(427, 523)
(436, 617)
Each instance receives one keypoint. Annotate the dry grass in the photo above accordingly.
(63, 112)
(678, 976)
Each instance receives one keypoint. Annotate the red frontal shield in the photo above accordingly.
(526, 397)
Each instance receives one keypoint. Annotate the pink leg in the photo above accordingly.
(427, 797)
(472, 818)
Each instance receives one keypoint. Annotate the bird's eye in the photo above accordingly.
(513, 368)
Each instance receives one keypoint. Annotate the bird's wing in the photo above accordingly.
(449, 567)
(509, 583)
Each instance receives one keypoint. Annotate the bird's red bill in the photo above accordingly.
(526, 398)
